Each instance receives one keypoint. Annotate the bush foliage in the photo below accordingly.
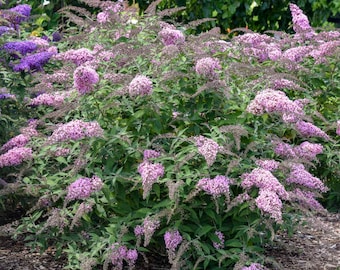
(132, 137)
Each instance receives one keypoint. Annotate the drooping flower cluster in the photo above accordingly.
(150, 173)
(323, 50)
(62, 152)
(18, 14)
(4, 29)
(76, 56)
(82, 188)
(208, 148)
(253, 266)
(18, 141)
(84, 79)
(300, 21)
(170, 36)
(268, 164)
(309, 130)
(299, 175)
(274, 101)
(308, 151)
(207, 67)
(220, 243)
(140, 86)
(215, 187)
(150, 225)
(33, 62)
(31, 129)
(306, 199)
(50, 99)
(284, 83)
(75, 130)
(121, 253)
(19, 47)
(172, 239)
(305, 150)
(269, 202)
(15, 156)
(148, 154)
(264, 180)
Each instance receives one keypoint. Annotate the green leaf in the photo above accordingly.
(204, 230)
(234, 243)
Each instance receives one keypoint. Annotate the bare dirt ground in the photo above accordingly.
(314, 246)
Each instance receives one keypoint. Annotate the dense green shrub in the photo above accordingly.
(149, 140)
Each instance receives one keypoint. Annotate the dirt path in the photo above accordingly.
(315, 246)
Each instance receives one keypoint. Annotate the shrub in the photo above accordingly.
(198, 150)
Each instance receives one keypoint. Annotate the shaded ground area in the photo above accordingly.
(315, 246)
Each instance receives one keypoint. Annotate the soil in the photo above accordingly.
(315, 246)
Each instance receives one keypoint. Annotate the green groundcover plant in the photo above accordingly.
(142, 139)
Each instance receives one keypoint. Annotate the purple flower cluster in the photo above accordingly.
(121, 253)
(306, 199)
(54, 99)
(4, 29)
(269, 202)
(253, 266)
(31, 129)
(62, 152)
(299, 175)
(75, 130)
(18, 141)
(215, 187)
(274, 101)
(148, 154)
(150, 225)
(300, 21)
(140, 86)
(297, 54)
(324, 49)
(284, 83)
(220, 243)
(84, 79)
(170, 36)
(207, 67)
(82, 188)
(150, 173)
(15, 156)
(208, 148)
(307, 150)
(309, 130)
(33, 62)
(268, 164)
(78, 56)
(172, 240)
(264, 180)
(18, 14)
(20, 47)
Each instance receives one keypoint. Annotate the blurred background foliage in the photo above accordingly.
(257, 15)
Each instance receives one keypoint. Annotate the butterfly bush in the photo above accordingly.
(207, 148)
(18, 141)
(140, 86)
(307, 129)
(84, 79)
(221, 239)
(215, 187)
(207, 67)
(170, 36)
(75, 130)
(15, 156)
(21, 47)
(82, 188)
(171, 195)
(299, 175)
(300, 21)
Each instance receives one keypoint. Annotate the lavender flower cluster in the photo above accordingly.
(299, 175)
(150, 225)
(82, 188)
(172, 239)
(150, 173)
(121, 253)
(170, 36)
(215, 187)
(140, 86)
(84, 79)
(50, 99)
(208, 148)
(220, 243)
(18, 141)
(75, 130)
(306, 150)
(15, 156)
(207, 67)
(76, 56)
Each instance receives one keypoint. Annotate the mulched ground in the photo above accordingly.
(314, 246)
